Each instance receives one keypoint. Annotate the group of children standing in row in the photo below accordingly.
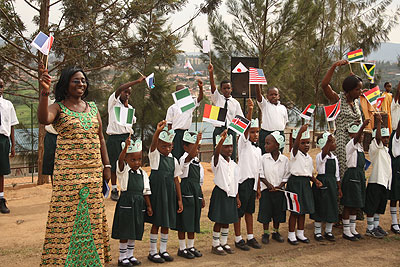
(167, 203)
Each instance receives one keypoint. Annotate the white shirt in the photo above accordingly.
(185, 167)
(395, 113)
(154, 158)
(322, 162)
(113, 127)
(178, 119)
(301, 165)
(275, 172)
(123, 178)
(8, 117)
(396, 146)
(274, 117)
(381, 164)
(234, 107)
(225, 174)
(249, 160)
(49, 128)
(351, 153)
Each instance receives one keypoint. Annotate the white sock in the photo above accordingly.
(131, 247)
(114, 186)
(317, 227)
(163, 242)
(224, 236)
(376, 220)
(216, 242)
(182, 244)
(1, 195)
(190, 243)
(328, 227)
(153, 244)
(370, 223)
(353, 224)
(300, 234)
(346, 227)
(250, 236)
(123, 247)
(238, 238)
(292, 236)
(393, 212)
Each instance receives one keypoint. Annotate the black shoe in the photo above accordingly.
(329, 237)
(318, 237)
(294, 243)
(265, 238)
(165, 255)
(134, 261)
(195, 252)
(397, 232)
(358, 236)
(127, 264)
(155, 259)
(185, 254)
(242, 245)
(277, 237)
(114, 194)
(253, 243)
(305, 241)
(3, 206)
(351, 238)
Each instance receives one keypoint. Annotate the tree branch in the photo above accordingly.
(26, 96)
(18, 66)
(55, 3)
(32, 6)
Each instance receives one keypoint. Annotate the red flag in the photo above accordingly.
(332, 111)
(379, 102)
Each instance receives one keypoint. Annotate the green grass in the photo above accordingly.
(24, 114)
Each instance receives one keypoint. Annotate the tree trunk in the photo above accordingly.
(43, 26)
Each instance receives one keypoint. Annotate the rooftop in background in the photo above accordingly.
(23, 140)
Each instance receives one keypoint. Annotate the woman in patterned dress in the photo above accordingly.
(349, 111)
(77, 231)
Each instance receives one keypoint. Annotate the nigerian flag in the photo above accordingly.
(124, 116)
(183, 99)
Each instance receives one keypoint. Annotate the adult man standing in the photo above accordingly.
(8, 119)
(387, 102)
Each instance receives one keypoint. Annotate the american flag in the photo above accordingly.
(256, 76)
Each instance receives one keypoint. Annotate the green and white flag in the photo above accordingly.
(183, 99)
(124, 116)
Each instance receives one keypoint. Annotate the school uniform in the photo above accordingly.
(394, 150)
(191, 181)
(116, 132)
(353, 182)
(325, 198)
(274, 118)
(249, 165)
(180, 123)
(8, 118)
(379, 182)
(163, 198)
(223, 205)
(234, 109)
(130, 209)
(273, 204)
(50, 144)
(301, 169)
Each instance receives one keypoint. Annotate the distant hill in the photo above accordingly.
(387, 52)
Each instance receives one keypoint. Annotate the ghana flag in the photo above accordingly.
(373, 95)
(355, 56)
(214, 114)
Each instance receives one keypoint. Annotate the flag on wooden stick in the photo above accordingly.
(256, 76)
(372, 95)
(124, 116)
(307, 113)
(239, 124)
(150, 81)
(214, 114)
(292, 201)
(183, 99)
(369, 69)
(355, 56)
(332, 111)
(43, 43)
(188, 65)
(206, 46)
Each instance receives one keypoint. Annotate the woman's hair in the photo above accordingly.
(350, 83)
(62, 85)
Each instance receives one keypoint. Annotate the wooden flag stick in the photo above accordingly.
(140, 73)
(350, 67)
(249, 90)
(47, 62)
(329, 127)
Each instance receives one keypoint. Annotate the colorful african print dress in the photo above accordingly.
(77, 231)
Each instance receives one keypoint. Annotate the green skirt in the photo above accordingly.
(247, 197)
(4, 155)
(50, 144)
(222, 209)
(272, 207)
(114, 148)
(395, 187)
(302, 187)
(353, 188)
(325, 199)
(189, 219)
(129, 217)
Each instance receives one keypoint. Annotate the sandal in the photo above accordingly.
(155, 259)
(165, 255)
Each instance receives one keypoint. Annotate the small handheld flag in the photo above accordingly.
(43, 43)
(188, 65)
(256, 76)
(150, 81)
(307, 113)
(240, 68)
(372, 95)
(239, 124)
(124, 116)
(206, 46)
(355, 56)
(214, 114)
(367, 164)
(183, 99)
(292, 201)
(379, 102)
(332, 111)
(369, 69)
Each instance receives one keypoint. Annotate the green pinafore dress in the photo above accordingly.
(129, 212)
(189, 219)
(325, 198)
(163, 194)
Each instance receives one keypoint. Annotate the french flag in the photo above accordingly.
(43, 43)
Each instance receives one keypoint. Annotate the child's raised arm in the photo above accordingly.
(298, 138)
(360, 132)
(201, 93)
(122, 155)
(212, 82)
(258, 93)
(217, 151)
(378, 135)
(250, 106)
(193, 151)
(154, 142)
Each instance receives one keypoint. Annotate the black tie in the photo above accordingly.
(226, 107)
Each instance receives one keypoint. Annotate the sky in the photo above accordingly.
(176, 20)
